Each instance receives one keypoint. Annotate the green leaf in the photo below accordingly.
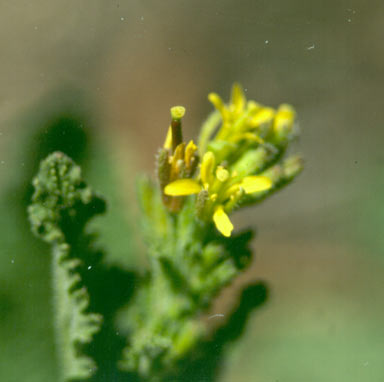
(61, 206)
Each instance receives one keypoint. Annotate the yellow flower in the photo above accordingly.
(247, 123)
(249, 137)
(223, 190)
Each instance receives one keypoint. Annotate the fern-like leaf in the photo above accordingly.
(61, 206)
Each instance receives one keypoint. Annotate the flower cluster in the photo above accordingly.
(218, 191)
(238, 144)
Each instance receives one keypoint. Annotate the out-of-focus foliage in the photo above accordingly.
(26, 280)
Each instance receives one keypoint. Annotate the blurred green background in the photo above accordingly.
(96, 79)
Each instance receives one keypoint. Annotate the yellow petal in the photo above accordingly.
(222, 222)
(182, 187)
(168, 139)
(190, 152)
(179, 152)
(252, 184)
(216, 101)
(207, 166)
(177, 161)
(284, 118)
(253, 107)
(238, 99)
(263, 116)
